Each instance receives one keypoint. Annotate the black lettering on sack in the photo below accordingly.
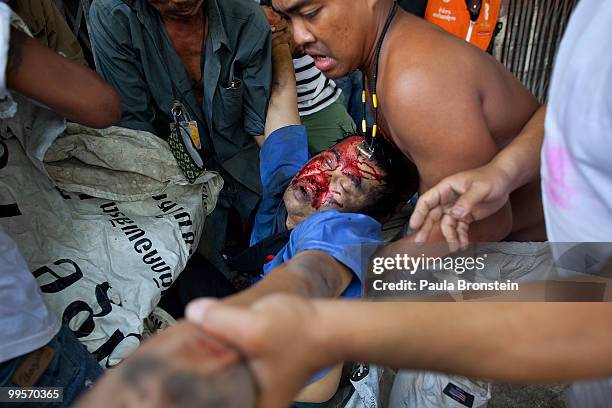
(62, 282)
(166, 280)
(187, 223)
(7, 210)
(158, 265)
(78, 306)
(133, 232)
(103, 300)
(67, 196)
(184, 218)
(145, 243)
(142, 245)
(106, 349)
(189, 239)
(148, 257)
(109, 207)
(74, 309)
(121, 221)
(5, 155)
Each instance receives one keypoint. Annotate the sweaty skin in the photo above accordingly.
(336, 178)
(445, 104)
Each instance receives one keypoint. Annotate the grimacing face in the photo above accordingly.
(177, 9)
(330, 31)
(338, 178)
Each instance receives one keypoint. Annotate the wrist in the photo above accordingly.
(507, 173)
(327, 333)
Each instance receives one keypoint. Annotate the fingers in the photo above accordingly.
(428, 201)
(475, 195)
(448, 226)
(462, 231)
(433, 217)
(232, 324)
(431, 207)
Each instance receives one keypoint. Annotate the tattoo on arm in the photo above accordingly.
(165, 384)
(15, 53)
(322, 275)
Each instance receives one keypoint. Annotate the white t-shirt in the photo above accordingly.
(577, 151)
(25, 321)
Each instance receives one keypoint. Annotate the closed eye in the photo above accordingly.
(310, 15)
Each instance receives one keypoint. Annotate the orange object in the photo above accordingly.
(454, 17)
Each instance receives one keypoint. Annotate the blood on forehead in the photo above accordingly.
(352, 163)
(316, 175)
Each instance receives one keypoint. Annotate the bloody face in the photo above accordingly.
(177, 9)
(337, 178)
(333, 32)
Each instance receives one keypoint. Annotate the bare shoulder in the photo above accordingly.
(433, 80)
(426, 77)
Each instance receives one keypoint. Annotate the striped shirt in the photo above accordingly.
(314, 91)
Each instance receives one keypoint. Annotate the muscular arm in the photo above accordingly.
(71, 90)
(517, 342)
(438, 120)
(511, 342)
(311, 274)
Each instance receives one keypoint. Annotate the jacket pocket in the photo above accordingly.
(228, 111)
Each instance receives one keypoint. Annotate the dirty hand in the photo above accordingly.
(275, 335)
(459, 200)
(179, 367)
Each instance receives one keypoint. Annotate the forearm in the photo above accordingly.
(71, 90)
(310, 274)
(282, 109)
(520, 160)
(516, 342)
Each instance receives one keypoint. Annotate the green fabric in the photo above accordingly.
(310, 404)
(327, 126)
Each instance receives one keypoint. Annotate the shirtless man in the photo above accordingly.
(448, 106)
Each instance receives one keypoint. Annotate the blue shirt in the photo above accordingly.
(344, 236)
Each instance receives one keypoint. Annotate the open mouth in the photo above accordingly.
(322, 62)
(302, 192)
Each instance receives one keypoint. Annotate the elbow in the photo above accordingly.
(321, 275)
(99, 106)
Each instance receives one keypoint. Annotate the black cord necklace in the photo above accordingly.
(367, 148)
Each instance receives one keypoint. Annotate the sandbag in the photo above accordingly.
(104, 234)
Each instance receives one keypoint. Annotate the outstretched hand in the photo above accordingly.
(179, 367)
(458, 200)
(275, 335)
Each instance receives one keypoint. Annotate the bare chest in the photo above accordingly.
(188, 45)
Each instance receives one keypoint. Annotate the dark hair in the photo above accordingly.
(401, 179)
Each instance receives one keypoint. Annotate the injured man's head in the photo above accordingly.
(342, 178)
